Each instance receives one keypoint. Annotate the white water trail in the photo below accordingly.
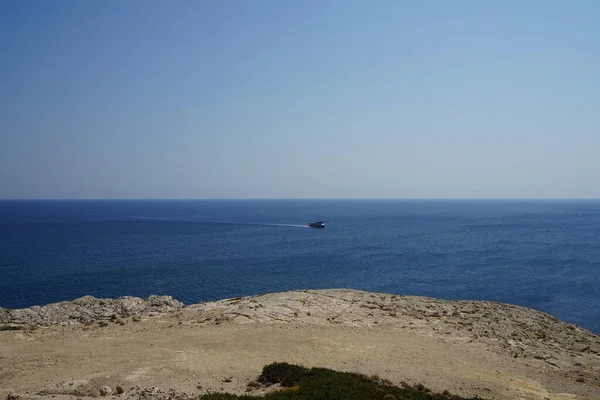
(219, 222)
(288, 225)
(158, 219)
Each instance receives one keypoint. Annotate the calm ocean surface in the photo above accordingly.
(540, 254)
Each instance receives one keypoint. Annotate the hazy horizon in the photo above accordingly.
(298, 100)
(302, 199)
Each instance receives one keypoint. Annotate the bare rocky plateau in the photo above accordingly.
(159, 348)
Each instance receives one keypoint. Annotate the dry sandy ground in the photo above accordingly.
(195, 349)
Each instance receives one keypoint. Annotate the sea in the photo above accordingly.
(543, 254)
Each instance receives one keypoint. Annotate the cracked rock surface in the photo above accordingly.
(86, 309)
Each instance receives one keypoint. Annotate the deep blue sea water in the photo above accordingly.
(540, 254)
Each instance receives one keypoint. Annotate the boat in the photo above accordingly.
(317, 224)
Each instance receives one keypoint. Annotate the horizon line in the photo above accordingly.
(287, 198)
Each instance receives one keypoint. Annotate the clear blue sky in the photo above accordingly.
(300, 99)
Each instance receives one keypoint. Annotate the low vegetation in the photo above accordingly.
(299, 383)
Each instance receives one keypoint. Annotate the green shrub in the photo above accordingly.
(284, 373)
(300, 383)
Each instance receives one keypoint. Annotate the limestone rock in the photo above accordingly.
(86, 309)
(105, 390)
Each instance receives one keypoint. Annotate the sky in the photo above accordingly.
(299, 99)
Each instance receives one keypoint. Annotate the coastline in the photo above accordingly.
(489, 349)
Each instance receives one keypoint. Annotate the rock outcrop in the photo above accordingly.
(513, 328)
(85, 309)
(519, 332)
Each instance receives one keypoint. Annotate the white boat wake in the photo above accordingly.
(288, 225)
(217, 222)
